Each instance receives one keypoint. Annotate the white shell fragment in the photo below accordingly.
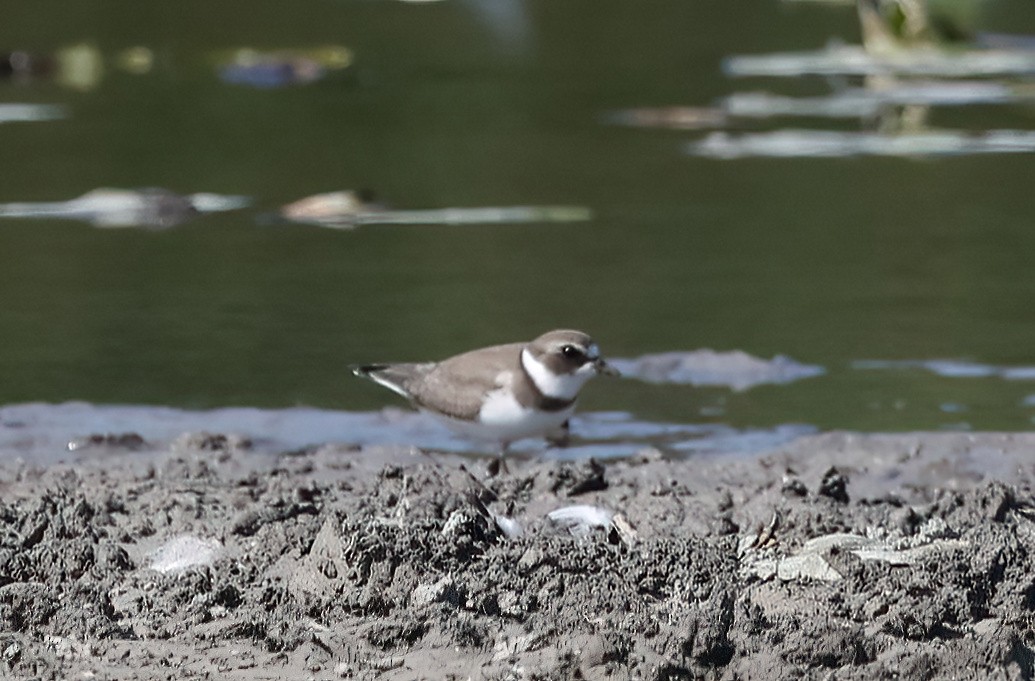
(810, 561)
(510, 528)
(184, 552)
(581, 519)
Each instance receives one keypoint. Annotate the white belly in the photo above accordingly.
(503, 420)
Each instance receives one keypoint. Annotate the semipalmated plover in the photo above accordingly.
(501, 393)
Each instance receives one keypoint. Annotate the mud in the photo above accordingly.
(836, 556)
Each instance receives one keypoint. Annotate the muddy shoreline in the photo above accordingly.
(835, 556)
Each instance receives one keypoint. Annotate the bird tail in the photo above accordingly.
(383, 375)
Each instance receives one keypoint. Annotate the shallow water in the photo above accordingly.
(826, 261)
(46, 433)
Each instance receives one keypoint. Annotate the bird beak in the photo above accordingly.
(604, 369)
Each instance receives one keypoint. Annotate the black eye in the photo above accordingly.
(571, 352)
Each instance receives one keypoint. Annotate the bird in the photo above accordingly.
(503, 393)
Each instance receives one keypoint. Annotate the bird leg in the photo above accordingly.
(499, 465)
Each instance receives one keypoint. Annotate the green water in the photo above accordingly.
(827, 261)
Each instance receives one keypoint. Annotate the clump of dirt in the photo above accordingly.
(826, 557)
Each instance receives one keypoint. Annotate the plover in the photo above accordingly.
(502, 393)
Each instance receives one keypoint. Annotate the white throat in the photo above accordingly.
(563, 387)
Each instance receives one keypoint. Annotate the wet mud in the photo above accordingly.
(836, 556)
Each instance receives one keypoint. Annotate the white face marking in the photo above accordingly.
(564, 387)
(593, 351)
